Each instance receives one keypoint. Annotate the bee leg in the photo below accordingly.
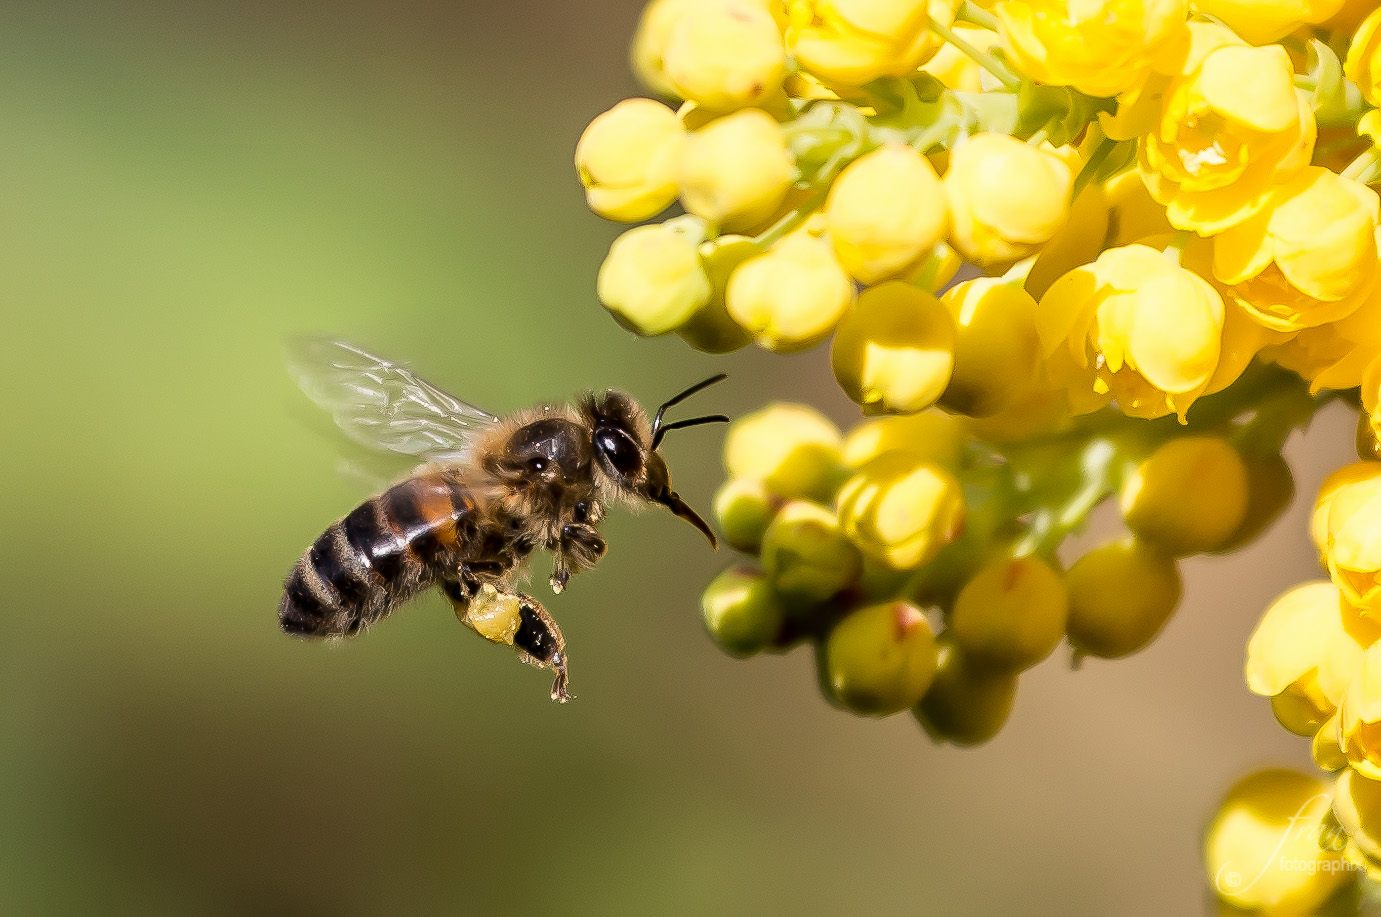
(579, 549)
(515, 620)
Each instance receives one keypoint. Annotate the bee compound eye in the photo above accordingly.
(618, 450)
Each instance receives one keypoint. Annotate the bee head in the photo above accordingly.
(629, 456)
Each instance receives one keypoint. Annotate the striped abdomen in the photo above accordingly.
(386, 551)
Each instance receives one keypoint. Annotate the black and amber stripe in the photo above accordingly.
(385, 551)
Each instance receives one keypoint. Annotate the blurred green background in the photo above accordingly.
(182, 187)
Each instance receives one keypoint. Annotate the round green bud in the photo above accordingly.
(806, 556)
(1120, 596)
(1011, 614)
(967, 704)
(931, 436)
(744, 507)
(792, 448)
(742, 614)
(880, 659)
(996, 348)
(894, 350)
(1188, 497)
(652, 280)
(1270, 488)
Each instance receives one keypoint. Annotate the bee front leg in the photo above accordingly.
(580, 548)
(515, 620)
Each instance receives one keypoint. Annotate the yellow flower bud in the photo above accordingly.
(1005, 198)
(725, 54)
(1133, 214)
(1120, 596)
(966, 703)
(1305, 651)
(1157, 326)
(652, 279)
(1100, 48)
(744, 507)
(1270, 488)
(886, 211)
(1077, 242)
(901, 510)
(1263, 132)
(852, 42)
(711, 329)
(880, 659)
(650, 41)
(996, 347)
(741, 612)
(1011, 614)
(895, 349)
(1188, 497)
(735, 170)
(627, 160)
(1264, 21)
(1371, 406)
(806, 556)
(1262, 851)
(791, 297)
(931, 436)
(1308, 257)
(1346, 479)
(792, 448)
(1351, 542)
(1363, 64)
(1040, 411)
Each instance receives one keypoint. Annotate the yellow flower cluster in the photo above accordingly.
(1165, 220)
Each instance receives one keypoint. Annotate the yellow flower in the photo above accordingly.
(1120, 596)
(1363, 64)
(901, 510)
(1336, 354)
(851, 42)
(1349, 520)
(1011, 614)
(1188, 496)
(1263, 849)
(931, 436)
(885, 211)
(791, 297)
(724, 54)
(1366, 474)
(1359, 715)
(652, 279)
(1078, 241)
(806, 556)
(1100, 47)
(1371, 396)
(1307, 257)
(966, 703)
(1230, 131)
(1263, 21)
(627, 160)
(1137, 325)
(996, 347)
(1005, 198)
(1304, 653)
(1357, 806)
(1133, 215)
(735, 171)
(894, 349)
(880, 659)
(792, 448)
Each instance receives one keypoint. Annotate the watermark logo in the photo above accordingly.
(1305, 831)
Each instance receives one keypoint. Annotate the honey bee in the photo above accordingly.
(488, 493)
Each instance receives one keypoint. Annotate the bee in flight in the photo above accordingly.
(488, 493)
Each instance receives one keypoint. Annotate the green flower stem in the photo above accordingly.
(1174, 249)
(1365, 168)
(789, 223)
(1095, 162)
(982, 58)
(974, 14)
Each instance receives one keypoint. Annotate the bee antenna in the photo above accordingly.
(693, 422)
(657, 429)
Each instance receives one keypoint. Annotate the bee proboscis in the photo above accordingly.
(487, 493)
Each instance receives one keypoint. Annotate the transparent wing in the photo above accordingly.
(382, 405)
